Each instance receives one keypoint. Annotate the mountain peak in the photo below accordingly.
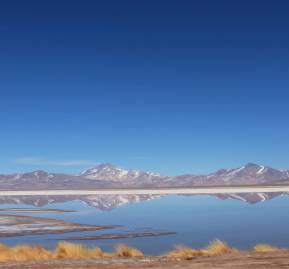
(110, 172)
(104, 171)
(99, 167)
(252, 165)
(105, 165)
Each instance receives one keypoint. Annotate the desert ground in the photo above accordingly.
(246, 260)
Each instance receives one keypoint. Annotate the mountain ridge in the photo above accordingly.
(107, 175)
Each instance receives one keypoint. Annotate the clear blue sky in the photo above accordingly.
(169, 86)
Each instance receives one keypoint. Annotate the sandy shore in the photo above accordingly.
(159, 191)
(246, 260)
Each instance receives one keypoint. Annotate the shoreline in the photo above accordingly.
(146, 191)
(72, 256)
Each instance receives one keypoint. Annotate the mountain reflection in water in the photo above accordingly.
(109, 202)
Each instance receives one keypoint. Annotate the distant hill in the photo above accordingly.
(110, 176)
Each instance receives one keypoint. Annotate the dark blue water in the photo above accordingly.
(197, 220)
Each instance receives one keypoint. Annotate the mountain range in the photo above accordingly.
(110, 176)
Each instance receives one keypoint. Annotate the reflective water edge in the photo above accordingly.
(242, 220)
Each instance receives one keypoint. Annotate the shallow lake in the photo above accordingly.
(241, 220)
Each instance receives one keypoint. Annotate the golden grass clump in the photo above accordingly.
(263, 248)
(3, 248)
(76, 251)
(126, 251)
(24, 253)
(218, 247)
(5, 254)
(30, 253)
(185, 252)
(65, 250)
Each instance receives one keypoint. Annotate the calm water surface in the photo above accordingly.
(196, 220)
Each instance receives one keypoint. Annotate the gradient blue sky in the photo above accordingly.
(169, 86)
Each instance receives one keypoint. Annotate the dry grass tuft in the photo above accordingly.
(263, 248)
(30, 253)
(76, 251)
(24, 253)
(3, 248)
(65, 250)
(218, 247)
(126, 251)
(96, 252)
(184, 252)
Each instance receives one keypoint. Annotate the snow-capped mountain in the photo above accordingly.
(249, 174)
(110, 176)
(113, 173)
